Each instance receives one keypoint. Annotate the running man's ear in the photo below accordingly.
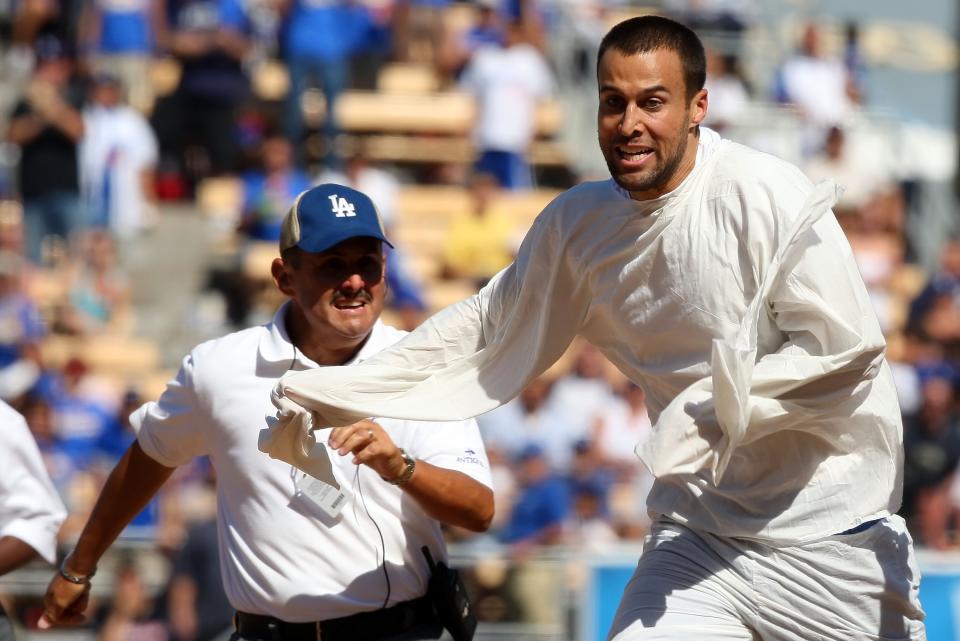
(281, 276)
(698, 107)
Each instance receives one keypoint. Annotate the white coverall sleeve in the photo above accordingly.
(468, 358)
(834, 341)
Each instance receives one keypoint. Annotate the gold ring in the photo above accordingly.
(370, 434)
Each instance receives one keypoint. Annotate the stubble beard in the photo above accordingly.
(660, 176)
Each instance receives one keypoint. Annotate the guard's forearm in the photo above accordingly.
(130, 486)
(451, 497)
(14, 553)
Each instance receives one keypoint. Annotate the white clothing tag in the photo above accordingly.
(321, 484)
(326, 497)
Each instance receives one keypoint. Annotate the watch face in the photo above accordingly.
(408, 471)
(410, 465)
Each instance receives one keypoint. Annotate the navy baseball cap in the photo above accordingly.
(329, 214)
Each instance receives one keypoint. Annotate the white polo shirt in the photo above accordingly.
(279, 555)
(30, 509)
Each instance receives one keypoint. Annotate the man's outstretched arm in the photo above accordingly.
(130, 486)
(468, 358)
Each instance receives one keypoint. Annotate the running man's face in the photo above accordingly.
(340, 291)
(645, 124)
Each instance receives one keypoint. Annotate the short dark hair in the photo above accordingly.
(650, 33)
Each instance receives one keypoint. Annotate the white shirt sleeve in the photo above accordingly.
(456, 446)
(470, 357)
(30, 509)
(172, 430)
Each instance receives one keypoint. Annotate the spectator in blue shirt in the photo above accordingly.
(319, 37)
(269, 192)
(117, 37)
(79, 421)
(542, 504)
(58, 463)
(933, 317)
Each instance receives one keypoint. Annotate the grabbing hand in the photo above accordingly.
(371, 446)
(64, 603)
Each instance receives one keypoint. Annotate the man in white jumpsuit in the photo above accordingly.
(716, 278)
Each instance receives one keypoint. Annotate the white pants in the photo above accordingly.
(693, 585)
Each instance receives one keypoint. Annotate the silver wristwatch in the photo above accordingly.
(411, 465)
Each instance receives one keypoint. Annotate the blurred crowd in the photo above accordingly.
(119, 107)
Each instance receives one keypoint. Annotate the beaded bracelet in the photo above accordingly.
(74, 578)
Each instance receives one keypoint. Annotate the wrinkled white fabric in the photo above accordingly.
(289, 437)
(734, 301)
(691, 585)
(729, 386)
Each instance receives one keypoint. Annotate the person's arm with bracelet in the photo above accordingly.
(130, 486)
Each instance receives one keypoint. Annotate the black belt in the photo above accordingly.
(364, 626)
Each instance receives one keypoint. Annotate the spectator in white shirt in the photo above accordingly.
(508, 83)
(818, 85)
(118, 155)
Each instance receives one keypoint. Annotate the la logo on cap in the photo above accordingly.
(341, 207)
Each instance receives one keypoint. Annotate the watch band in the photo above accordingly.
(79, 579)
(407, 473)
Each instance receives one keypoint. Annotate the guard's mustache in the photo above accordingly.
(361, 296)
